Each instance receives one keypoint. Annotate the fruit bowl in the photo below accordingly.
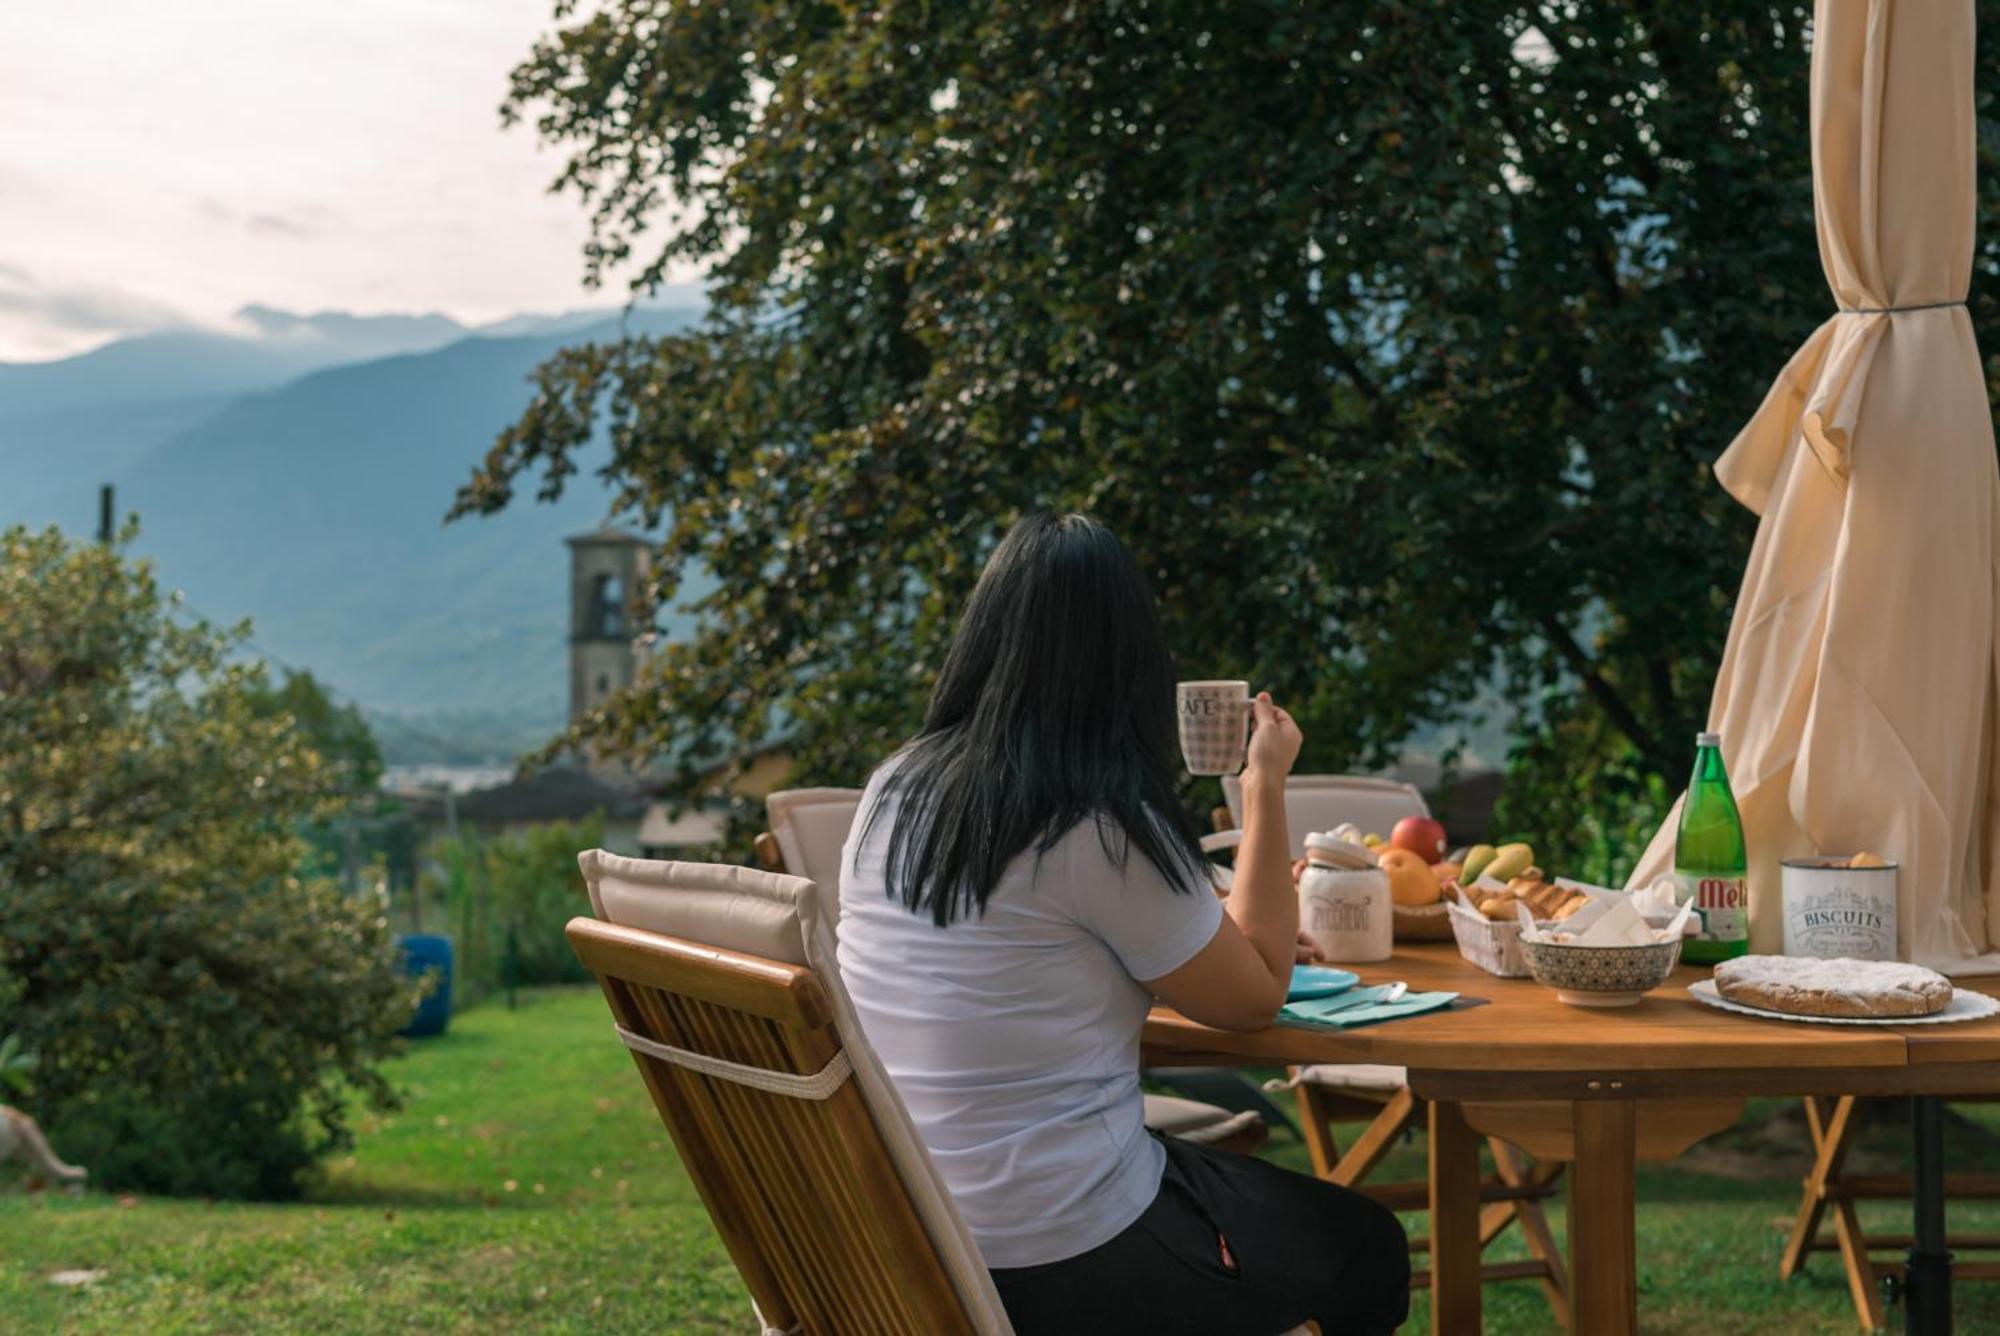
(1600, 976)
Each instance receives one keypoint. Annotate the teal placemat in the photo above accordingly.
(1362, 1006)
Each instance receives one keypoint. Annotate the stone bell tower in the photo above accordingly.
(605, 567)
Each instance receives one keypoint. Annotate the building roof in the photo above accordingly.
(559, 793)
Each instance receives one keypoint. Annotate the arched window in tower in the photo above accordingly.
(606, 617)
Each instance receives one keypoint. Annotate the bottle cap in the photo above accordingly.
(1708, 739)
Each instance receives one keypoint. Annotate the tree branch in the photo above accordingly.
(1615, 706)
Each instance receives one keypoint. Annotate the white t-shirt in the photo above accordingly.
(1013, 1037)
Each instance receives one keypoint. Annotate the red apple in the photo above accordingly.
(1421, 836)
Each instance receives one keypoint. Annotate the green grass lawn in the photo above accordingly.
(528, 1186)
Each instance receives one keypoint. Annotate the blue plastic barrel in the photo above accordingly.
(426, 953)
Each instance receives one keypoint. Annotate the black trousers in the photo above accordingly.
(1231, 1244)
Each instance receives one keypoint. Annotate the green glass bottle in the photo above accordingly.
(1709, 862)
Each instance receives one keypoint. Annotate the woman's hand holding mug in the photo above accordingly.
(1224, 730)
(1274, 741)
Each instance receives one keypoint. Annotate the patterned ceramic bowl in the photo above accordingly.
(1601, 976)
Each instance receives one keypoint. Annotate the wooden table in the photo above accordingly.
(1601, 1088)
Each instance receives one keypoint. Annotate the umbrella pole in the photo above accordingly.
(1927, 1277)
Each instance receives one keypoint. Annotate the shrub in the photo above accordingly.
(523, 885)
(202, 1013)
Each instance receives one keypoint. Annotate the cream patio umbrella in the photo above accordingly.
(1857, 695)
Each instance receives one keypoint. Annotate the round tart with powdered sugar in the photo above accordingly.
(1799, 986)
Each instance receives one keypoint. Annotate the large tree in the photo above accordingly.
(1396, 339)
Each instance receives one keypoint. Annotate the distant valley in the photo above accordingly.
(298, 475)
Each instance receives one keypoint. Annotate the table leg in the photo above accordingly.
(1603, 1250)
(1454, 1155)
(1927, 1276)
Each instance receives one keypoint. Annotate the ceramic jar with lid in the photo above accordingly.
(1344, 904)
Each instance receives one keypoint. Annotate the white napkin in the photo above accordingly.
(1662, 897)
(1608, 920)
(1680, 924)
(1620, 925)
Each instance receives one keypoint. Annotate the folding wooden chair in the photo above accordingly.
(1331, 1094)
(809, 827)
(720, 982)
(1833, 1124)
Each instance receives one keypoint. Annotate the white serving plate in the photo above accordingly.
(1965, 1005)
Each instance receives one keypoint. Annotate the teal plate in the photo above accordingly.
(1319, 981)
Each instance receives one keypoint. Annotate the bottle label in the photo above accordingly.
(1721, 899)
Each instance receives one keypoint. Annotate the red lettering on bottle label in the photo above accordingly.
(1720, 893)
(1723, 903)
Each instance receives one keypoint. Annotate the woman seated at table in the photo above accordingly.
(1020, 884)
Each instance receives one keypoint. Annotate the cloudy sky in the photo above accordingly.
(168, 161)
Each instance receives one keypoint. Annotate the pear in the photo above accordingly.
(1475, 861)
(1510, 861)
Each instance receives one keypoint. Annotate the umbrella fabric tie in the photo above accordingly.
(1898, 310)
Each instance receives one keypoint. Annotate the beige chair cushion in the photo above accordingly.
(779, 917)
(1192, 1120)
(1359, 1076)
(811, 828)
(735, 907)
(1321, 802)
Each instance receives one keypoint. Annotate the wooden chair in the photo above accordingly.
(1381, 1096)
(719, 980)
(1833, 1124)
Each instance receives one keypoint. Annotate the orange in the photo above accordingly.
(1411, 882)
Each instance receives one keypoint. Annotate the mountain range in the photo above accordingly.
(296, 471)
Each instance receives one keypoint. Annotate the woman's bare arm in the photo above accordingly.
(1238, 981)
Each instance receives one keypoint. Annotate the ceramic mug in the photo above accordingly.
(1214, 724)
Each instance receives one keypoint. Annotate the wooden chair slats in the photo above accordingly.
(803, 1193)
(776, 1131)
(684, 1113)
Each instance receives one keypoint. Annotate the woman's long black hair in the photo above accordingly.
(1055, 704)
